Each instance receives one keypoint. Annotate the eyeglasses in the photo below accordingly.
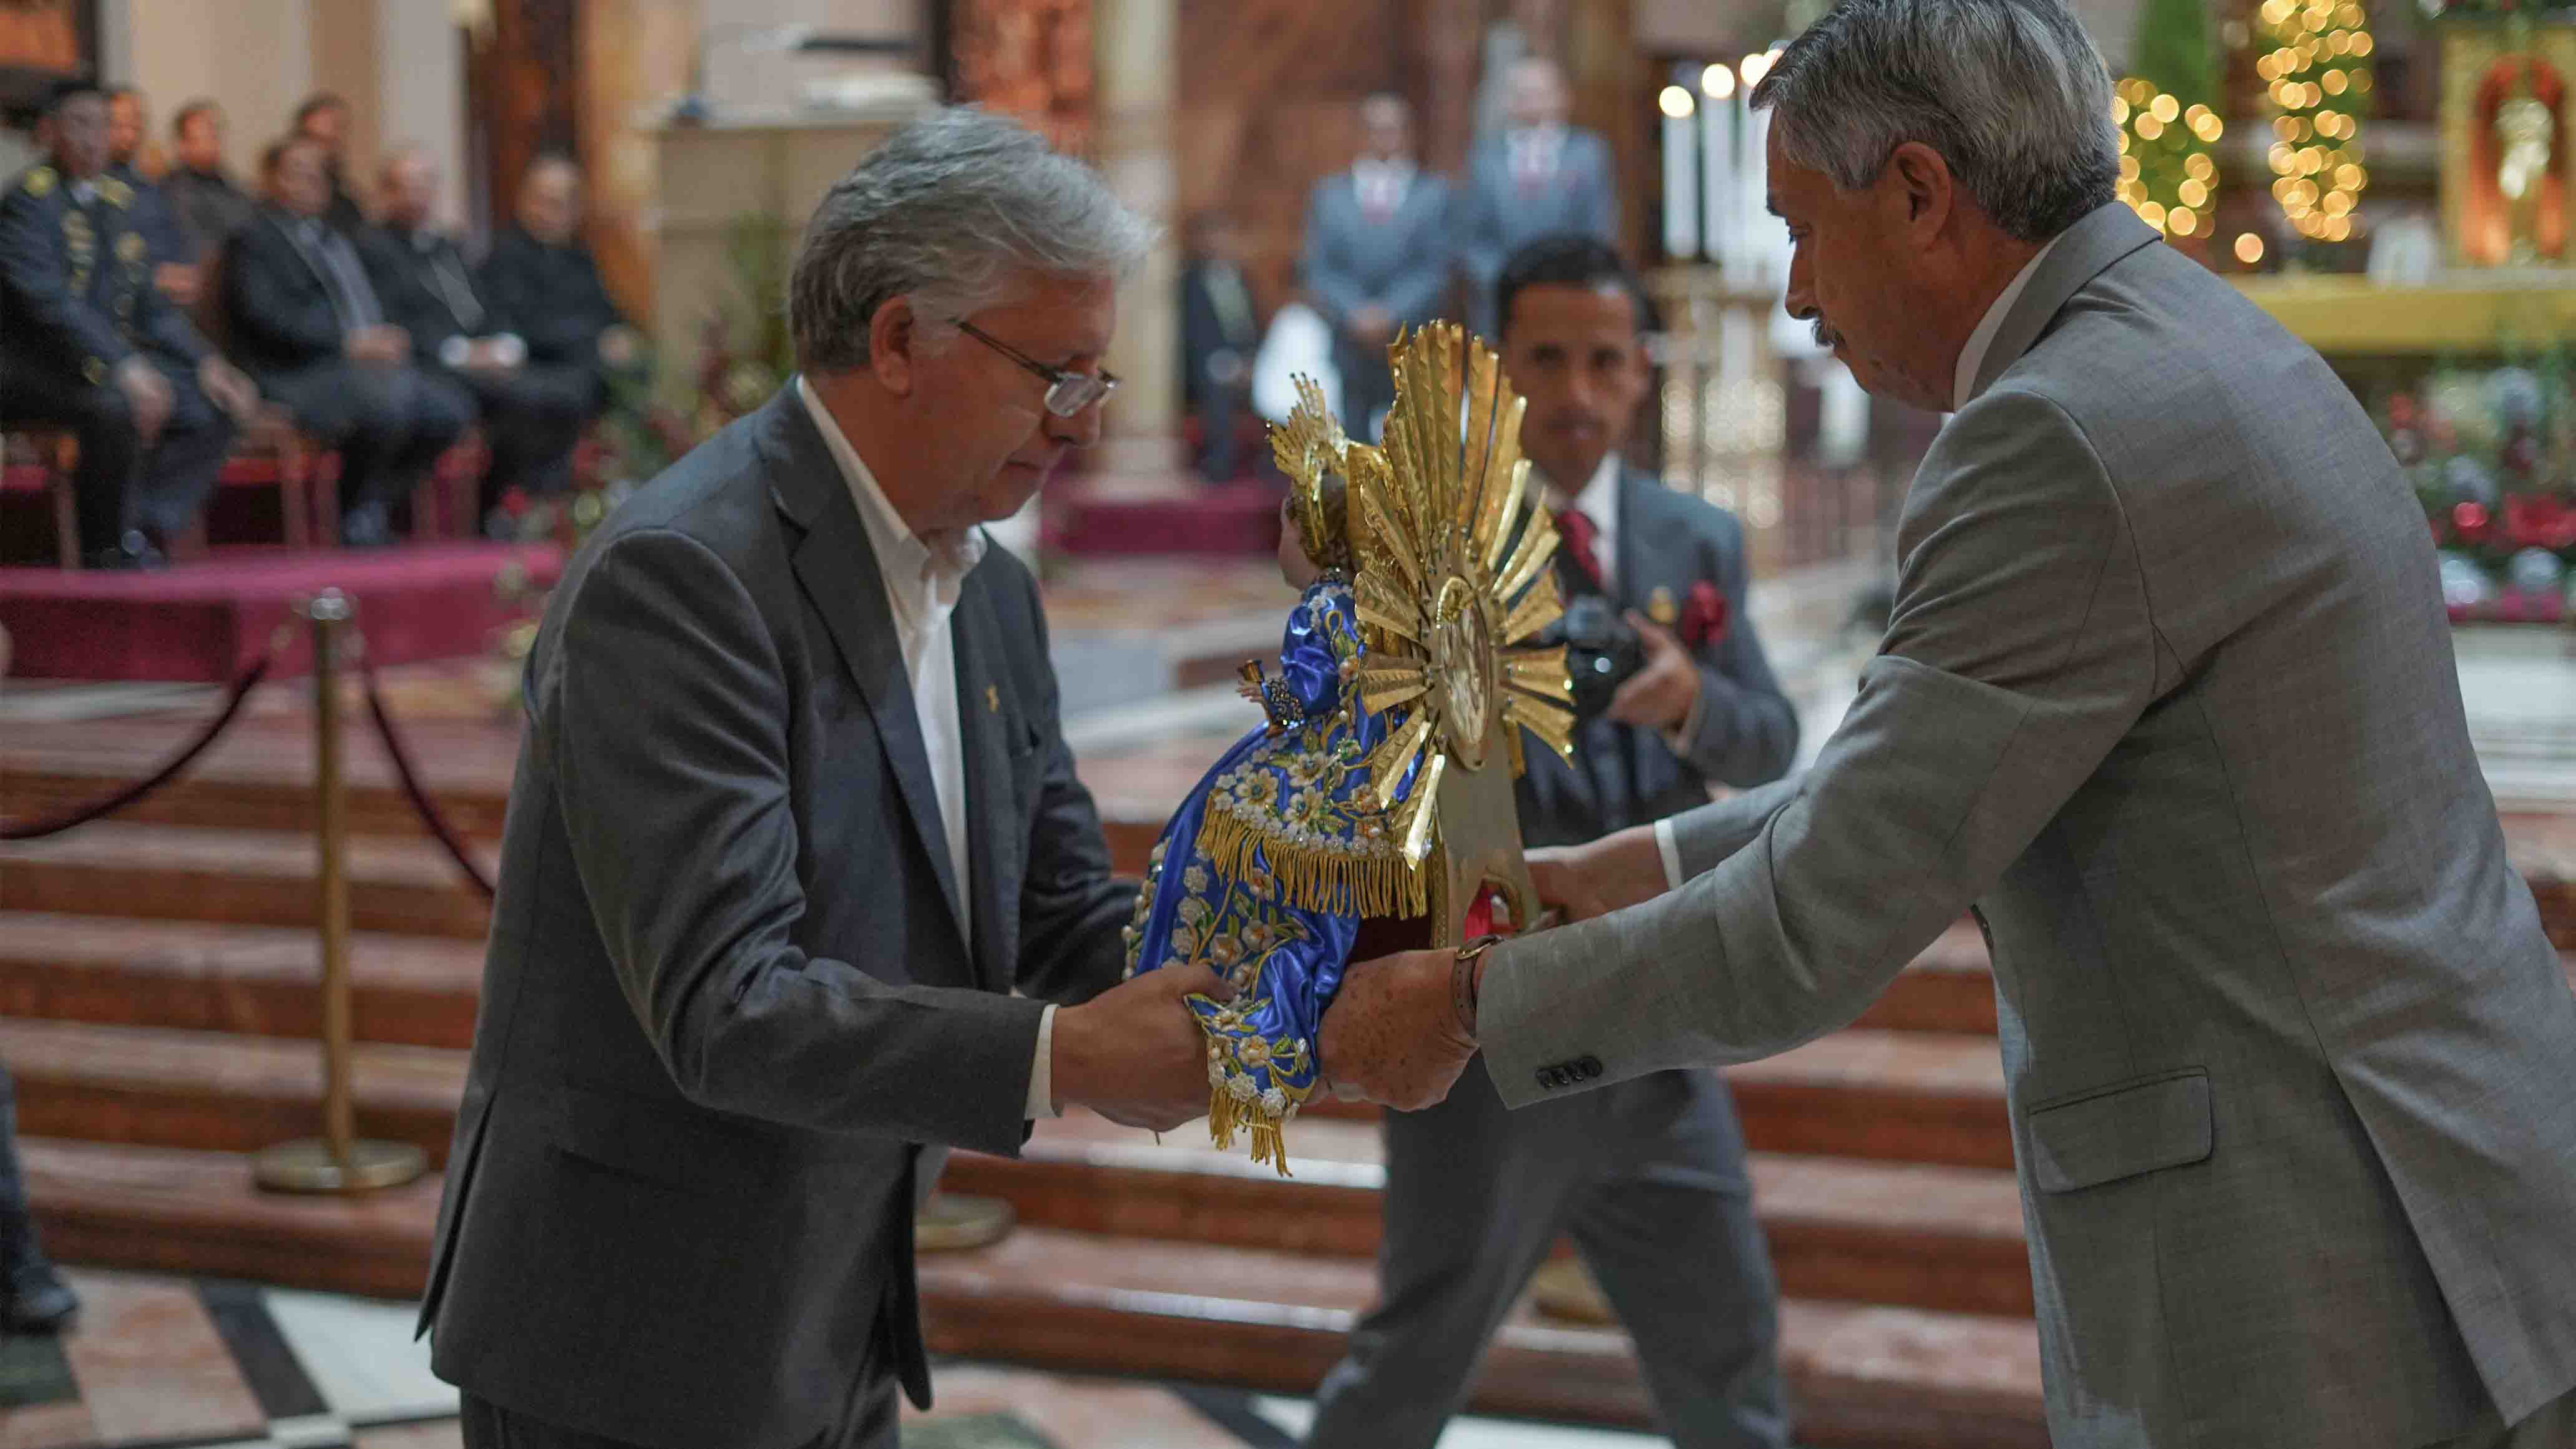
(1068, 392)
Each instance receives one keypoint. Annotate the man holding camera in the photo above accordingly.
(1647, 1176)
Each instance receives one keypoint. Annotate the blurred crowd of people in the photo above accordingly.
(157, 311)
(1388, 245)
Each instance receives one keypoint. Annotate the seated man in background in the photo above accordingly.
(199, 191)
(92, 348)
(323, 119)
(303, 318)
(541, 284)
(174, 270)
(532, 412)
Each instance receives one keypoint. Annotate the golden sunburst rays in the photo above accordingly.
(1309, 445)
(1453, 580)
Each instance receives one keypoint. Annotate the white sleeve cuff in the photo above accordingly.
(1665, 846)
(1042, 1071)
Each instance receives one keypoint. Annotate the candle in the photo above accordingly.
(1681, 174)
(1719, 222)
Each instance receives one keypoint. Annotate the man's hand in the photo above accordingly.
(177, 283)
(1659, 696)
(618, 345)
(1610, 874)
(1135, 1054)
(146, 391)
(227, 388)
(380, 343)
(1393, 1032)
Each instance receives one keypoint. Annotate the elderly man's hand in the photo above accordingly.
(1393, 1031)
(1135, 1054)
(1610, 874)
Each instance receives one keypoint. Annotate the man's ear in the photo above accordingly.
(1921, 179)
(894, 337)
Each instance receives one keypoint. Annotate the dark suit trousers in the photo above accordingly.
(1648, 1176)
(869, 1425)
(389, 422)
(533, 418)
(122, 482)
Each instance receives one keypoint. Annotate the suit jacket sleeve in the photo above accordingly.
(676, 803)
(38, 275)
(1417, 290)
(2020, 652)
(168, 328)
(1337, 293)
(1602, 195)
(1480, 225)
(1071, 908)
(267, 313)
(1748, 729)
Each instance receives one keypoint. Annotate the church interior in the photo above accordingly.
(255, 756)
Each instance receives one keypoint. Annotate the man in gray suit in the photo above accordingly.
(1538, 177)
(1377, 255)
(1648, 1176)
(793, 819)
(2168, 700)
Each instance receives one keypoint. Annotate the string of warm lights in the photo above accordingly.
(2168, 173)
(2317, 72)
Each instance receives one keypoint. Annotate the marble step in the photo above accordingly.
(421, 990)
(251, 980)
(1869, 1377)
(245, 877)
(1909, 1234)
(1889, 1096)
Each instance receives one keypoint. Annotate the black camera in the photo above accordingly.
(1601, 651)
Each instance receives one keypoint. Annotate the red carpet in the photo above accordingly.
(207, 621)
(1184, 518)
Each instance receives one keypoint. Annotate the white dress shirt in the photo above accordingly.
(1598, 502)
(922, 585)
(1963, 381)
(1381, 185)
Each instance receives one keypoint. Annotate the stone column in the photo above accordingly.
(1134, 51)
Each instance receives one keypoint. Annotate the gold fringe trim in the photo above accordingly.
(1316, 880)
(1226, 1116)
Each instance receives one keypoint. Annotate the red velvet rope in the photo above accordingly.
(110, 804)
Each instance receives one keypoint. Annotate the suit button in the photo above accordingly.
(1590, 1067)
(1549, 1078)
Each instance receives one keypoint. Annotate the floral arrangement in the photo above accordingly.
(2492, 455)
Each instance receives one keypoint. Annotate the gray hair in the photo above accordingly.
(952, 210)
(2010, 92)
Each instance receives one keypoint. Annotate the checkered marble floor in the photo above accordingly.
(172, 1363)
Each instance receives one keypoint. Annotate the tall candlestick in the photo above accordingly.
(1719, 220)
(1681, 174)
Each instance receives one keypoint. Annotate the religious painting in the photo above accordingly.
(1027, 59)
(2506, 122)
(42, 41)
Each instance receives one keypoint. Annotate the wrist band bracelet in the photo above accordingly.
(1462, 982)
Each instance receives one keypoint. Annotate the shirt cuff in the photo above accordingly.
(1665, 846)
(1042, 1071)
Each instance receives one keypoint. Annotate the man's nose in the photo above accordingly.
(1079, 431)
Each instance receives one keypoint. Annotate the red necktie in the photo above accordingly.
(1576, 529)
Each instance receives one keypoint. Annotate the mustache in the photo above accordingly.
(1826, 335)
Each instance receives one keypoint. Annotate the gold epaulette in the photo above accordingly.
(115, 192)
(39, 180)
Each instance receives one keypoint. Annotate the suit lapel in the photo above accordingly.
(2081, 253)
(987, 717)
(837, 567)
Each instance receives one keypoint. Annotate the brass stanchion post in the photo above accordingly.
(339, 1161)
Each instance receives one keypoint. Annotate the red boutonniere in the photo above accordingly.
(1703, 619)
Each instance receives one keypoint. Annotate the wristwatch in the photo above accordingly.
(1462, 982)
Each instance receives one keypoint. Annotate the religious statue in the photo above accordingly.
(1376, 795)
(2524, 130)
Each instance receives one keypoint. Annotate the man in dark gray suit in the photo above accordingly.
(793, 819)
(2167, 699)
(1648, 1176)
(1377, 255)
(1538, 177)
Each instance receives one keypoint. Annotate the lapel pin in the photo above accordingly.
(993, 698)
(1661, 607)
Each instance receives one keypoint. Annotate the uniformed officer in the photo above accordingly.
(88, 344)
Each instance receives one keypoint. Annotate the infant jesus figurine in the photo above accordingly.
(1265, 873)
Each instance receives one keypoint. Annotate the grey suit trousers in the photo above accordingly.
(1647, 1176)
